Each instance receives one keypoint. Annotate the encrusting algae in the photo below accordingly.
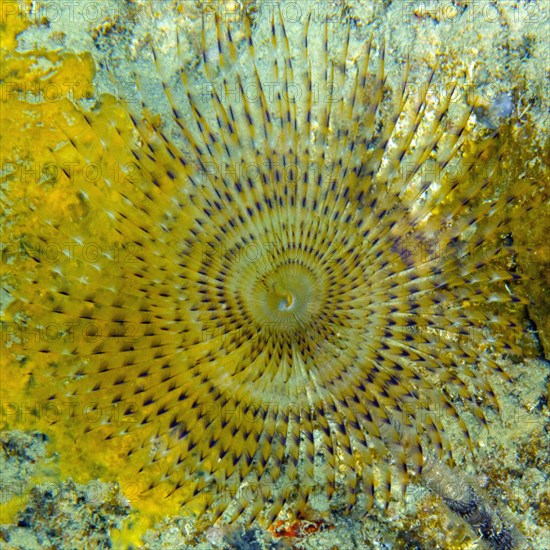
(292, 288)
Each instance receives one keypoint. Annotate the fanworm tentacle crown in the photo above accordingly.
(279, 271)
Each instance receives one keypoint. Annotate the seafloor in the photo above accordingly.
(500, 51)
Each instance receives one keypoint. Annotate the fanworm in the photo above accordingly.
(298, 286)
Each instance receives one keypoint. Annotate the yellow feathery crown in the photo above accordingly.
(298, 269)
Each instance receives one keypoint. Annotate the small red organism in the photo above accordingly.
(298, 528)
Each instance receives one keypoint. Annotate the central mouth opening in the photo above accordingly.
(291, 292)
(287, 298)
